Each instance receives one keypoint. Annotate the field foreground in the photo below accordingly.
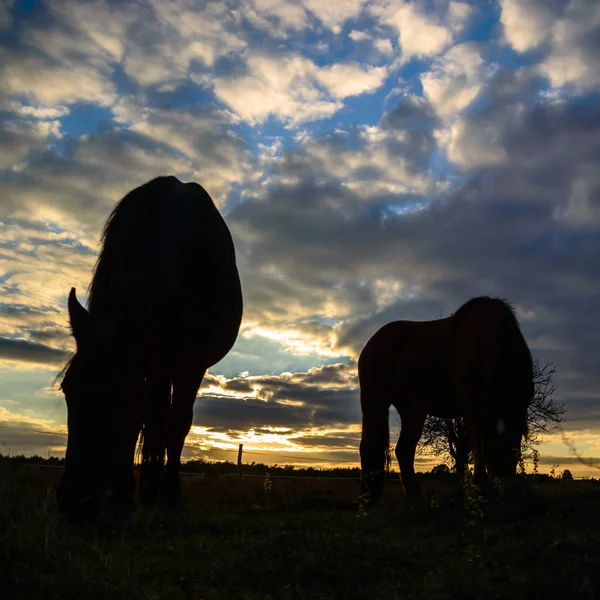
(242, 539)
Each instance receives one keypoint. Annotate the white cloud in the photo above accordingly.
(420, 34)
(335, 14)
(280, 87)
(568, 30)
(458, 15)
(18, 138)
(380, 44)
(455, 79)
(173, 34)
(573, 58)
(293, 88)
(380, 162)
(423, 33)
(101, 27)
(359, 36)
(350, 79)
(42, 81)
(35, 112)
(527, 23)
(204, 30)
(292, 15)
(217, 156)
(384, 46)
(473, 145)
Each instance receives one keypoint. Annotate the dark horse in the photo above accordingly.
(165, 304)
(474, 364)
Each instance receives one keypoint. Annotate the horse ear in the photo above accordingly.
(79, 318)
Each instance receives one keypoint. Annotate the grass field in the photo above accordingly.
(306, 539)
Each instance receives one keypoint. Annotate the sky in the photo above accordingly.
(374, 160)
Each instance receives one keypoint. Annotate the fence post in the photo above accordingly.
(239, 465)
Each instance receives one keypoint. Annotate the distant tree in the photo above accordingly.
(441, 469)
(567, 475)
(449, 437)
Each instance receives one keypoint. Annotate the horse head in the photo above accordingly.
(98, 390)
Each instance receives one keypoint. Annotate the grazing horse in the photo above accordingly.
(165, 304)
(474, 364)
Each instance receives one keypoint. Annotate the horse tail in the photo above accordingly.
(153, 443)
(374, 446)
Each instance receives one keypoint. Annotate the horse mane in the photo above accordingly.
(500, 303)
(58, 380)
(511, 340)
(125, 232)
(127, 216)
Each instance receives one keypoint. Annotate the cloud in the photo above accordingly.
(527, 23)
(169, 38)
(321, 397)
(573, 59)
(34, 112)
(454, 80)
(20, 350)
(218, 157)
(334, 14)
(26, 74)
(375, 265)
(290, 15)
(569, 31)
(5, 16)
(421, 33)
(294, 88)
(384, 46)
(19, 137)
(83, 186)
(359, 36)
(350, 79)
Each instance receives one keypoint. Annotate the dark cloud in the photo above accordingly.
(337, 441)
(77, 184)
(22, 436)
(504, 231)
(411, 113)
(323, 397)
(20, 350)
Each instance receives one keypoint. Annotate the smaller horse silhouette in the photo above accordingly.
(474, 364)
(165, 304)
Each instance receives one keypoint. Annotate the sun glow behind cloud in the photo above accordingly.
(375, 160)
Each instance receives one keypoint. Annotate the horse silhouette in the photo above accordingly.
(165, 304)
(474, 364)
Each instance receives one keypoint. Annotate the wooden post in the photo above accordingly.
(239, 465)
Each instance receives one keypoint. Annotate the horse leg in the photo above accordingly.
(479, 470)
(158, 399)
(122, 504)
(179, 423)
(373, 445)
(480, 474)
(410, 433)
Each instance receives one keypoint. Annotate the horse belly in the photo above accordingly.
(430, 390)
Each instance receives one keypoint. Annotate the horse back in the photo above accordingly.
(411, 361)
(167, 269)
